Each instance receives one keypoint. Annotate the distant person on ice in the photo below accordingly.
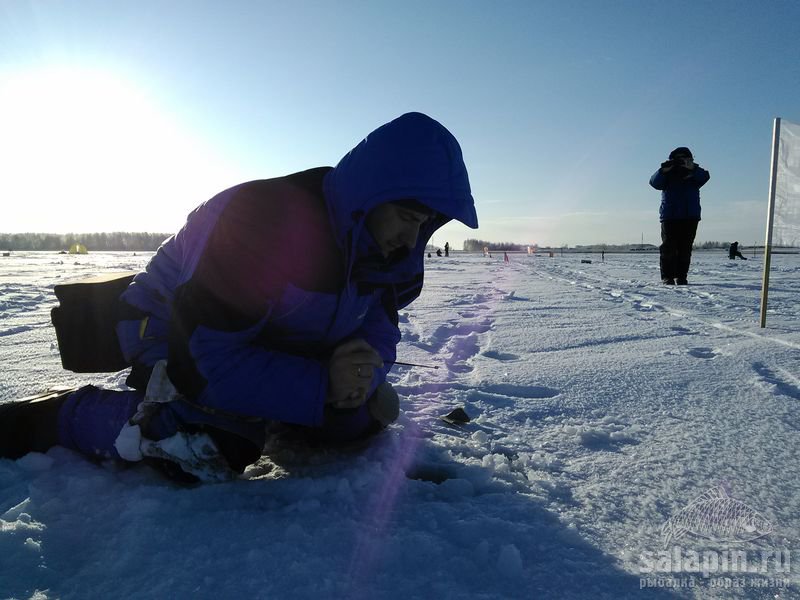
(679, 180)
(447, 248)
(276, 302)
(733, 252)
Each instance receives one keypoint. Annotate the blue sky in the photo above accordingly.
(124, 116)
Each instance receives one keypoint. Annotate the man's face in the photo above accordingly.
(393, 226)
(683, 159)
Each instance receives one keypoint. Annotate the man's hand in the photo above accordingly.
(350, 372)
(667, 166)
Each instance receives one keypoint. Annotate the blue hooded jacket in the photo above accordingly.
(251, 297)
(680, 192)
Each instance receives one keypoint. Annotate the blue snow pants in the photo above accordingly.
(91, 418)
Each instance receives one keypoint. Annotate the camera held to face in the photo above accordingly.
(682, 162)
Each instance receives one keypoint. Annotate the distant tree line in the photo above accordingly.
(117, 240)
(712, 245)
(479, 245)
(473, 245)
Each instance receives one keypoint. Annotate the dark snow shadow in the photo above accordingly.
(539, 557)
(781, 385)
(502, 356)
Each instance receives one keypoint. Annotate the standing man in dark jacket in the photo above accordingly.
(276, 302)
(679, 180)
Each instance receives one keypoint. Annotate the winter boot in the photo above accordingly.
(668, 281)
(31, 424)
(681, 281)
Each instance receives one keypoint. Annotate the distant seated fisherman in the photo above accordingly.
(276, 302)
(733, 252)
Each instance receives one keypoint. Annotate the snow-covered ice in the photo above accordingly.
(602, 404)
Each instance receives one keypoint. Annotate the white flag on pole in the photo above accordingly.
(786, 224)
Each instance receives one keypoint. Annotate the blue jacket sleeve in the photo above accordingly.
(380, 331)
(245, 379)
(217, 359)
(700, 176)
(658, 180)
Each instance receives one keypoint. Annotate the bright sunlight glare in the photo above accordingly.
(85, 150)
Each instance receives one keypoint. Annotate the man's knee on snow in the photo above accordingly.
(345, 425)
(384, 404)
(157, 433)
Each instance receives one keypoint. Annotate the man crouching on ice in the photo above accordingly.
(277, 301)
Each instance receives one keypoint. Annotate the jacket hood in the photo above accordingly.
(412, 156)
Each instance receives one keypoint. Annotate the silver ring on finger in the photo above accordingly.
(358, 371)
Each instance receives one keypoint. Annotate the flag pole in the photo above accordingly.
(773, 177)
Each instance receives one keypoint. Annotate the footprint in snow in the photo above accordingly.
(682, 330)
(463, 349)
(792, 421)
(785, 384)
(15, 330)
(504, 356)
(705, 353)
(454, 330)
(520, 391)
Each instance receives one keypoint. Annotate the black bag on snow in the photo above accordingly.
(85, 323)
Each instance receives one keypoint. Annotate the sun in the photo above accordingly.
(88, 150)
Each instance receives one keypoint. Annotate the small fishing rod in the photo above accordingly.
(405, 364)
